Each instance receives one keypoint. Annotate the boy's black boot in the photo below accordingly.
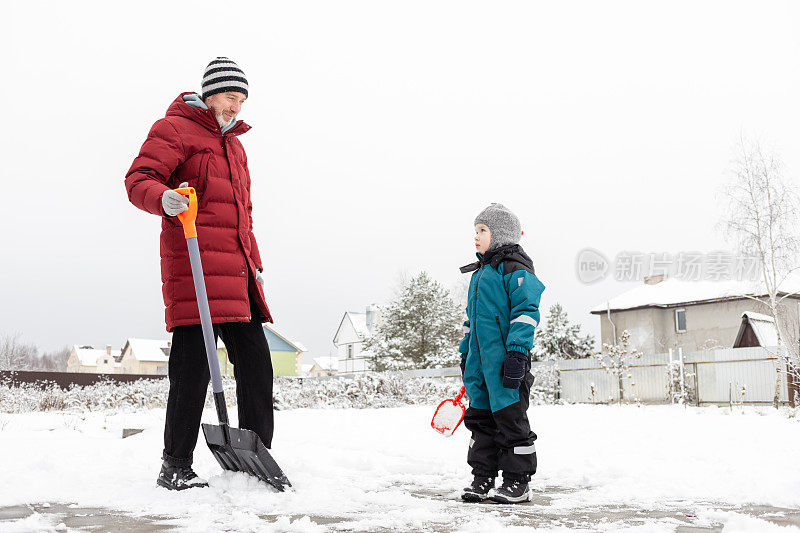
(179, 477)
(513, 490)
(478, 491)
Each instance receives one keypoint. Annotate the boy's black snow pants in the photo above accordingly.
(503, 440)
(188, 382)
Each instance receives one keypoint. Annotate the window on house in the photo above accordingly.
(680, 320)
(349, 351)
(105, 361)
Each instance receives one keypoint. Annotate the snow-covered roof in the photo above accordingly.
(305, 368)
(88, 356)
(149, 349)
(758, 316)
(672, 292)
(763, 326)
(327, 363)
(359, 321)
(357, 331)
(274, 329)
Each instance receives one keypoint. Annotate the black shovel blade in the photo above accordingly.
(244, 452)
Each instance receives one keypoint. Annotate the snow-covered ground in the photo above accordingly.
(604, 468)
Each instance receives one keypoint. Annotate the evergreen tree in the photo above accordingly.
(420, 328)
(560, 339)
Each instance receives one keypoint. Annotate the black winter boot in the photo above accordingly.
(179, 478)
(478, 491)
(513, 490)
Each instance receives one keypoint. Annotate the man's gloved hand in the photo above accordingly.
(173, 202)
(513, 369)
(463, 365)
(260, 280)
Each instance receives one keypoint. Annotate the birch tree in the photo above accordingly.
(761, 219)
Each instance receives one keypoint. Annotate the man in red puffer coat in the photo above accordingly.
(196, 144)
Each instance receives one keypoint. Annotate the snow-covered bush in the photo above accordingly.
(364, 391)
(369, 390)
(546, 386)
(617, 359)
(677, 392)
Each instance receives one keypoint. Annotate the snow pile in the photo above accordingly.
(447, 417)
(601, 468)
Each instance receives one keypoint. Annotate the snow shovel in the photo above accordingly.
(237, 450)
(449, 415)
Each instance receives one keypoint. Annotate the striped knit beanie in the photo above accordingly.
(223, 75)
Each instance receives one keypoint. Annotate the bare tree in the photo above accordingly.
(58, 359)
(15, 355)
(55, 361)
(761, 219)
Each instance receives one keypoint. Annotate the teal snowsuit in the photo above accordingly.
(502, 315)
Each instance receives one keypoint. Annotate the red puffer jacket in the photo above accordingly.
(188, 145)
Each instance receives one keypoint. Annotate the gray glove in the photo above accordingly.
(173, 202)
(260, 279)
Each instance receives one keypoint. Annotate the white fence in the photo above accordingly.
(739, 375)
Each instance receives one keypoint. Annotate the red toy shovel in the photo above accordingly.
(449, 414)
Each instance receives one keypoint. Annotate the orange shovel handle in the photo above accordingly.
(188, 217)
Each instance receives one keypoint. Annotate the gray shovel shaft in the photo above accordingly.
(205, 314)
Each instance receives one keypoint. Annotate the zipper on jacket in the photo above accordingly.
(497, 319)
(475, 314)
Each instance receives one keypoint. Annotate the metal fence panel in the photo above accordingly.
(647, 384)
(720, 376)
(587, 386)
(740, 381)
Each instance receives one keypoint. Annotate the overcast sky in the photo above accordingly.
(380, 129)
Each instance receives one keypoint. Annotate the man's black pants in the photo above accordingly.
(188, 383)
(503, 440)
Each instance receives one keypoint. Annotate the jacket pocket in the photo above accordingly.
(202, 175)
(500, 330)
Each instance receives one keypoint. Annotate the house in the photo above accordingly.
(145, 356)
(665, 313)
(323, 366)
(286, 354)
(353, 330)
(225, 366)
(93, 360)
(756, 330)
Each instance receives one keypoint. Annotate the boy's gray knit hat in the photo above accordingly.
(503, 224)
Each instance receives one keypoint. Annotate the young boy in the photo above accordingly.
(502, 314)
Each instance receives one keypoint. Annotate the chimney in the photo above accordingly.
(654, 280)
(372, 311)
(108, 349)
